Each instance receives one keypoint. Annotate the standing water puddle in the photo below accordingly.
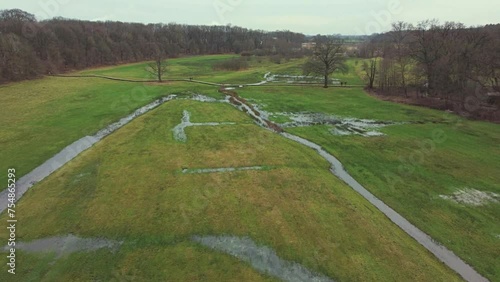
(225, 169)
(340, 126)
(472, 197)
(66, 245)
(261, 258)
(180, 134)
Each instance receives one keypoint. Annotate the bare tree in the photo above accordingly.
(328, 57)
(158, 67)
(400, 35)
(370, 68)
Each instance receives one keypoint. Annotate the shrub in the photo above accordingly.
(276, 59)
(234, 64)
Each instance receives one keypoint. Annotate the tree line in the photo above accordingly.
(30, 48)
(449, 61)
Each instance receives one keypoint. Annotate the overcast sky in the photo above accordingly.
(309, 17)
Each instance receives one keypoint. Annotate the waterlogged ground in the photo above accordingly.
(65, 245)
(295, 207)
(416, 167)
(341, 126)
(473, 197)
(261, 258)
(151, 192)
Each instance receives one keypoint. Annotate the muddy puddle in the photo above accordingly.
(179, 130)
(472, 197)
(262, 258)
(64, 245)
(217, 170)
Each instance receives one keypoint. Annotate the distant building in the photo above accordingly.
(308, 45)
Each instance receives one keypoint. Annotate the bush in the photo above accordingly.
(276, 59)
(232, 64)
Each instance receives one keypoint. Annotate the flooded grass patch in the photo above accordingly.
(69, 244)
(262, 258)
(225, 169)
(179, 130)
(472, 197)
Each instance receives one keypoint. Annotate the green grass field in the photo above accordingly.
(41, 117)
(201, 68)
(405, 170)
(298, 208)
(130, 186)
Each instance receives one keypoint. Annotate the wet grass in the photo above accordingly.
(131, 187)
(128, 187)
(41, 117)
(413, 164)
(340, 101)
(201, 68)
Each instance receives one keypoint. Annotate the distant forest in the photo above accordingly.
(457, 64)
(31, 48)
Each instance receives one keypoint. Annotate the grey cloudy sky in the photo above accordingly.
(309, 17)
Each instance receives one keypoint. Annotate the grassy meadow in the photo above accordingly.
(296, 207)
(130, 186)
(432, 153)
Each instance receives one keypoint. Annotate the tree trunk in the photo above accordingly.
(158, 64)
(326, 81)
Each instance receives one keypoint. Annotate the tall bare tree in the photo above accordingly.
(327, 58)
(158, 67)
(370, 68)
(400, 35)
